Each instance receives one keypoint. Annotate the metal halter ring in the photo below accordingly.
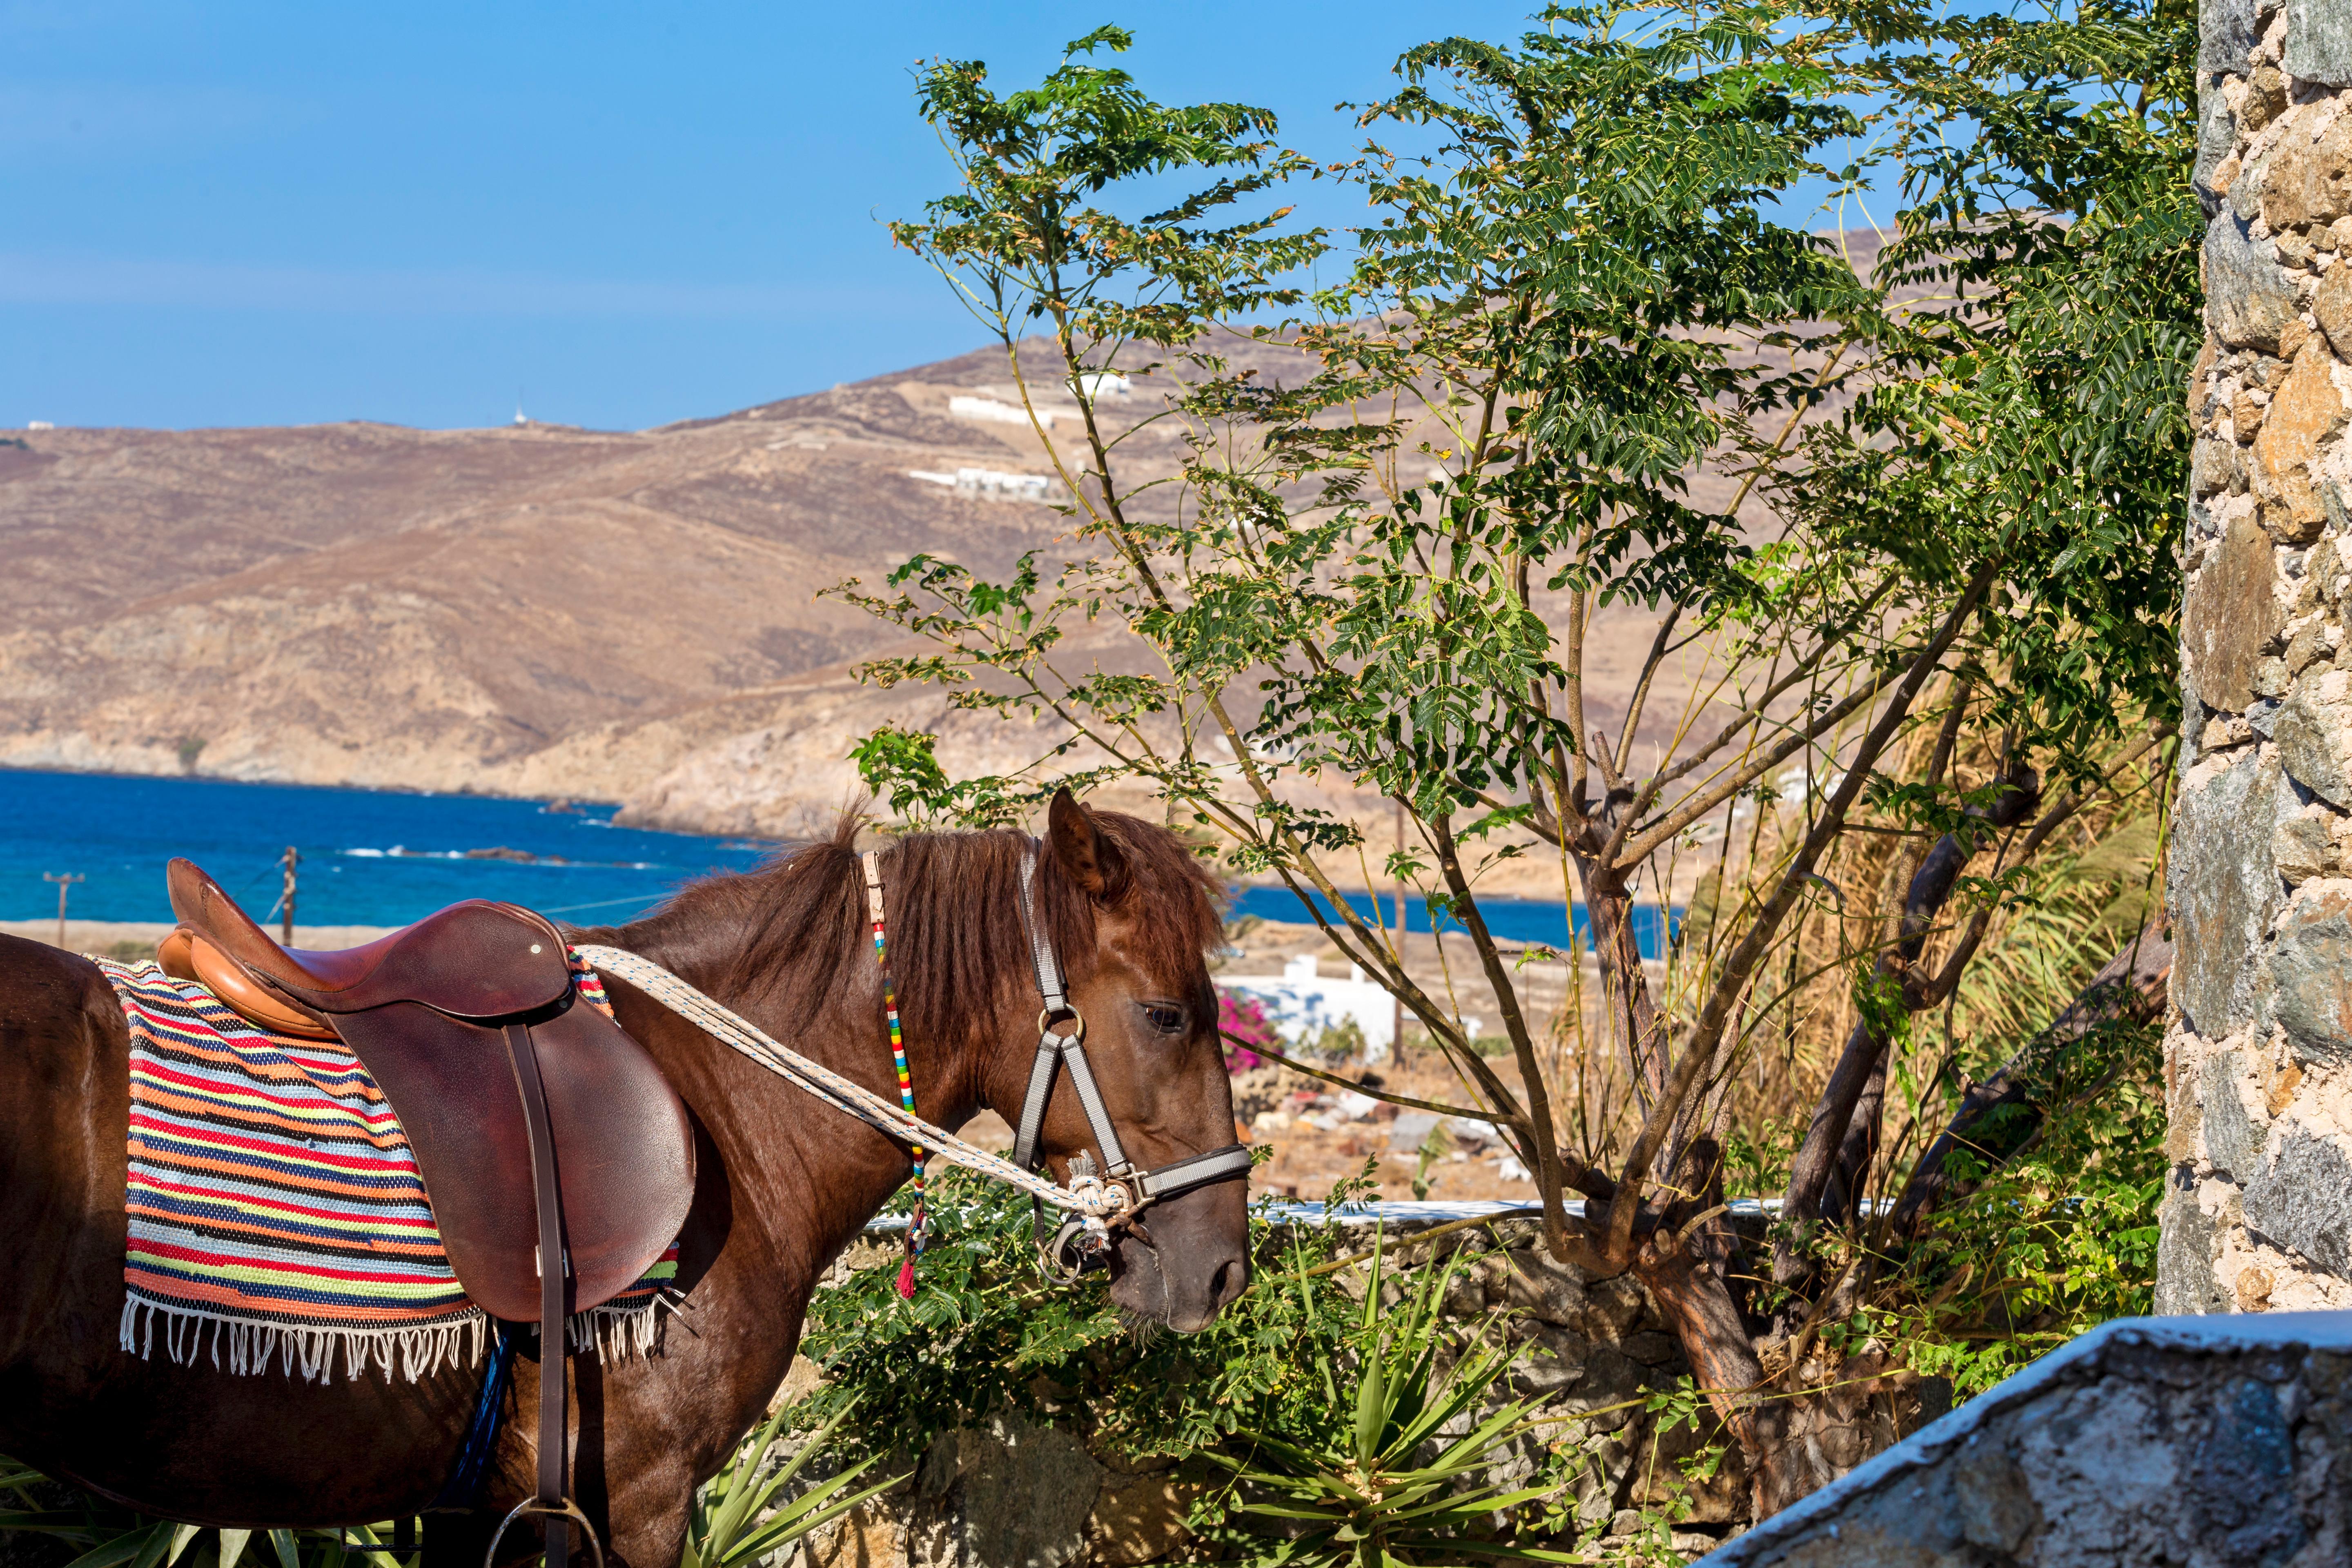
(1077, 1030)
(566, 1509)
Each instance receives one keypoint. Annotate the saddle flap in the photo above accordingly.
(624, 1147)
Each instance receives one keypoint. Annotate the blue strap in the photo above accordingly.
(463, 1489)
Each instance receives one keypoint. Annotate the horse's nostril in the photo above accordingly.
(1226, 1283)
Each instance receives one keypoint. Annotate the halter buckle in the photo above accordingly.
(1045, 1020)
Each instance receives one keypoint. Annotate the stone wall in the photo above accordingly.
(2147, 1442)
(1022, 1496)
(2258, 1215)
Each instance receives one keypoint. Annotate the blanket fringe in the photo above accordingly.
(244, 1348)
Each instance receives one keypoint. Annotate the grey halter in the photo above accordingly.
(1081, 1243)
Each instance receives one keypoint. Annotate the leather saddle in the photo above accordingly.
(451, 1016)
(558, 1161)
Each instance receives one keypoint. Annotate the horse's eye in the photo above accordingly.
(1166, 1017)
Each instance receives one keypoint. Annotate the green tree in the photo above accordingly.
(1406, 500)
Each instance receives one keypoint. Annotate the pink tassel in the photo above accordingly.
(907, 1280)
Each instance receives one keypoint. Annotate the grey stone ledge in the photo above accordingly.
(1815, 1518)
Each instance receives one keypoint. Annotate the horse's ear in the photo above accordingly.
(1087, 857)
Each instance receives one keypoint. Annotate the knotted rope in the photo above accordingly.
(836, 1091)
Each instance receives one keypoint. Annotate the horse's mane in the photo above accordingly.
(955, 933)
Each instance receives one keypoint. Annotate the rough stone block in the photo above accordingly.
(2215, 468)
(2246, 409)
(2185, 1284)
(2233, 1144)
(2241, 1478)
(1994, 1507)
(2231, 615)
(2304, 1200)
(2306, 411)
(2300, 847)
(2331, 304)
(2311, 969)
(1138, 1519)
(2224, 892)
(2319, 42)
(2264, 101)
(1016, 1496)
(1545, 1290)
(2217, 137)
(2313, 730)
(2225, 35)
(2247, 296)
(2302, 181)
(2145, 1442)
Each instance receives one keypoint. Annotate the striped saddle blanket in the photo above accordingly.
(277, 1215)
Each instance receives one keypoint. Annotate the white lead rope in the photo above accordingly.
(1098, 1203)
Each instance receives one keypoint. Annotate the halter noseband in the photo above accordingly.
(1082, 1242)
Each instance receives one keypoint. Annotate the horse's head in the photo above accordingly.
(1131, 912)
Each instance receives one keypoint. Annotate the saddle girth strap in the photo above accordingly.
(553, 1269)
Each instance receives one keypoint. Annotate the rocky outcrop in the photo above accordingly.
(2258, 1211)
(2148, 1441)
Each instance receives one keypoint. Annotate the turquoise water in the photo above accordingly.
(369, 857)
(1512, 920)
(380, 858)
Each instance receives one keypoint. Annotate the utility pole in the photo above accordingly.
(65, 880)
(291, 859)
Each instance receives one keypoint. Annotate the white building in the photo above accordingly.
(1301, 1004)
(989, 484)
(996, 411)
(1098, 383)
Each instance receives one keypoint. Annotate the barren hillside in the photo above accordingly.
(537, 610)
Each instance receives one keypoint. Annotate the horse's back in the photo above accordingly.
(70, 1395)
(64, 1091)
(64, 1095)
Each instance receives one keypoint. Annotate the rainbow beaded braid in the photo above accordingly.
(898, 1055)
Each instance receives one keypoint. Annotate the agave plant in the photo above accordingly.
(1386, 1484)
(736, 1518)
(114, 1537)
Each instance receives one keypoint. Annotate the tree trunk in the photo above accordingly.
(1843, 1138)
(2133, 985)
(1608, 906)
(1698, 1307)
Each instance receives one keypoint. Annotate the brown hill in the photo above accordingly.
(536, 611)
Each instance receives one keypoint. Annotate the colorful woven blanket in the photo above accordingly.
(277, 1215)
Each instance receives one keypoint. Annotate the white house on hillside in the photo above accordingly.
(1301, 1004)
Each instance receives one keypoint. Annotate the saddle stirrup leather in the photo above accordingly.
(1079, 1244)
(549, 1504)
(553, 1268)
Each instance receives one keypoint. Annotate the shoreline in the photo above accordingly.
(99, 939)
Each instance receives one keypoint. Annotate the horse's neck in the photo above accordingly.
(815, 1175)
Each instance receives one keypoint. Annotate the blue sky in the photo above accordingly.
(228, 214)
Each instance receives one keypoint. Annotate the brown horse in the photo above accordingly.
(783, 1183)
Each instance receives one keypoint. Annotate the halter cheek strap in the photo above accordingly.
(1080, 1243)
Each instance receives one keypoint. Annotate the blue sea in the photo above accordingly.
(1512, 920)
(380, 858)
(368, 857)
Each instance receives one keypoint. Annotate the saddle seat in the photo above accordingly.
(432, 1012)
